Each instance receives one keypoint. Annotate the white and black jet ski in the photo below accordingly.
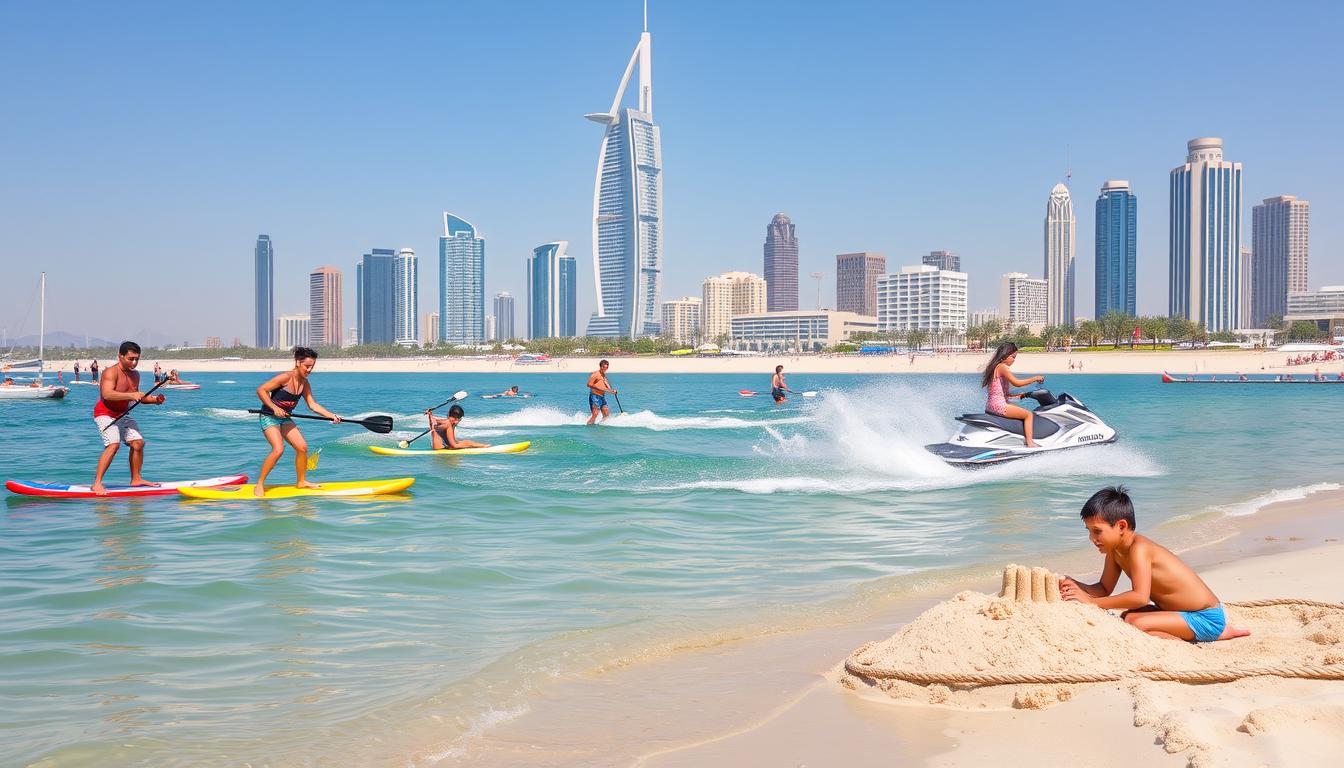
(1059, 423)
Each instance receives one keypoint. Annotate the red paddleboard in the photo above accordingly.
(64, 491)
(745, 392)
(1166, 378)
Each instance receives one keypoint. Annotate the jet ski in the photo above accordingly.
(1059, 423)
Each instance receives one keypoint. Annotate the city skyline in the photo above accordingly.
(940, 198)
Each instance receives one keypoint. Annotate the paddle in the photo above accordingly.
(132, 408)
(407, 443)
(618, 402)
(379, 423)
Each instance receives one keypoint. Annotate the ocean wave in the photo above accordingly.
(1254, 505)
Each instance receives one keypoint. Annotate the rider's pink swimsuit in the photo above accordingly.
(997, 402)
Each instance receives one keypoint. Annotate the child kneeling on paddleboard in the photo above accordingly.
(443, 431)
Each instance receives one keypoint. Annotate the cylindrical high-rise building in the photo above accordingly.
(405, 298)
(461, 282)
(1117, 249)
(504, 317)
(264, 264)
(1059, 251)
(781, 265)
(1279, 236)
(1205, 238)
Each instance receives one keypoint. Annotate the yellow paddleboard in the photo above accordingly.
(350, 488)
(506, 448)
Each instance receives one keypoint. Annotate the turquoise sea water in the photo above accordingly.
(380, 632)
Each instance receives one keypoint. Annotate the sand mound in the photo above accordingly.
(975, 635)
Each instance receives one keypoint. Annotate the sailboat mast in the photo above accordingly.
(42, 329)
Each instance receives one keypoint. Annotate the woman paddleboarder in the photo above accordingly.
(280, 395)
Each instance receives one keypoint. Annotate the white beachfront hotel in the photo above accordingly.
(798, 330)
(1022, 300)
(727, 296)
(924, 298)
(681, 319)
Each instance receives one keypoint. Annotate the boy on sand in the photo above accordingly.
(444, 431)
(1166, 598)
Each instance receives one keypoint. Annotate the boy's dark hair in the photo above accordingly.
(602, 363)
(303, 353)
(1111, 504)
(128, 346)
(778, 368)
(456, 412)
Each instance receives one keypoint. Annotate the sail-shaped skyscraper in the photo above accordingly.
(628, 209)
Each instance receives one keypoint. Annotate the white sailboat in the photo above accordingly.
(37, 390)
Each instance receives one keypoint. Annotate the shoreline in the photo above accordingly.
(1192, 362)
(774, 700)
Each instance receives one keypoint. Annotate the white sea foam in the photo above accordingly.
(475, 727)
(543, 416)
(229, 413)
(873, 439)
(1251, 506)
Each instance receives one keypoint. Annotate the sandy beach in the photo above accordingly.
(780, 697)
(1123, 361)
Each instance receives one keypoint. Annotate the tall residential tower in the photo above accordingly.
(628, 209)
(1117, 249)
(375, 296)
(1205, 238)
(551, 292)
(461, 283)
(324, 307)
(405, 298)
(1059, 252)
(781, 265)
(265, 292)
(856, 282)
(1279, 237)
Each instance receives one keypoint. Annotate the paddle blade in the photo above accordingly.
(403, 443)
(380, 424)
(460, 395)
(312, 459)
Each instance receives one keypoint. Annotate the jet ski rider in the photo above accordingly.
(997, 378)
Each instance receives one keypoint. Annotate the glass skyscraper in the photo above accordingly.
(628, 210)
(503, 317)
(551, 291)
(461, 283)
(781, 265)
(374, 297)
(265, 292)
(1117, 249)
(405, 298)
(1205, 238)
(1059, 252)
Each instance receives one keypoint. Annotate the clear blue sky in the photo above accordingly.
(146, 145)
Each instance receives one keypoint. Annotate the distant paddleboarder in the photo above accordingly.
(598, 388)
(778, 388)
(118, 389)
(280, 395)
(93, 371)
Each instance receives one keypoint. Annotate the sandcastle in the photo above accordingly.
(1029, 585)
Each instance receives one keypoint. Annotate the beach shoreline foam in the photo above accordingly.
(775, 699)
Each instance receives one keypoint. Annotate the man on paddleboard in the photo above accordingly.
(598, 387)
(118, 388)
(778, 389)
